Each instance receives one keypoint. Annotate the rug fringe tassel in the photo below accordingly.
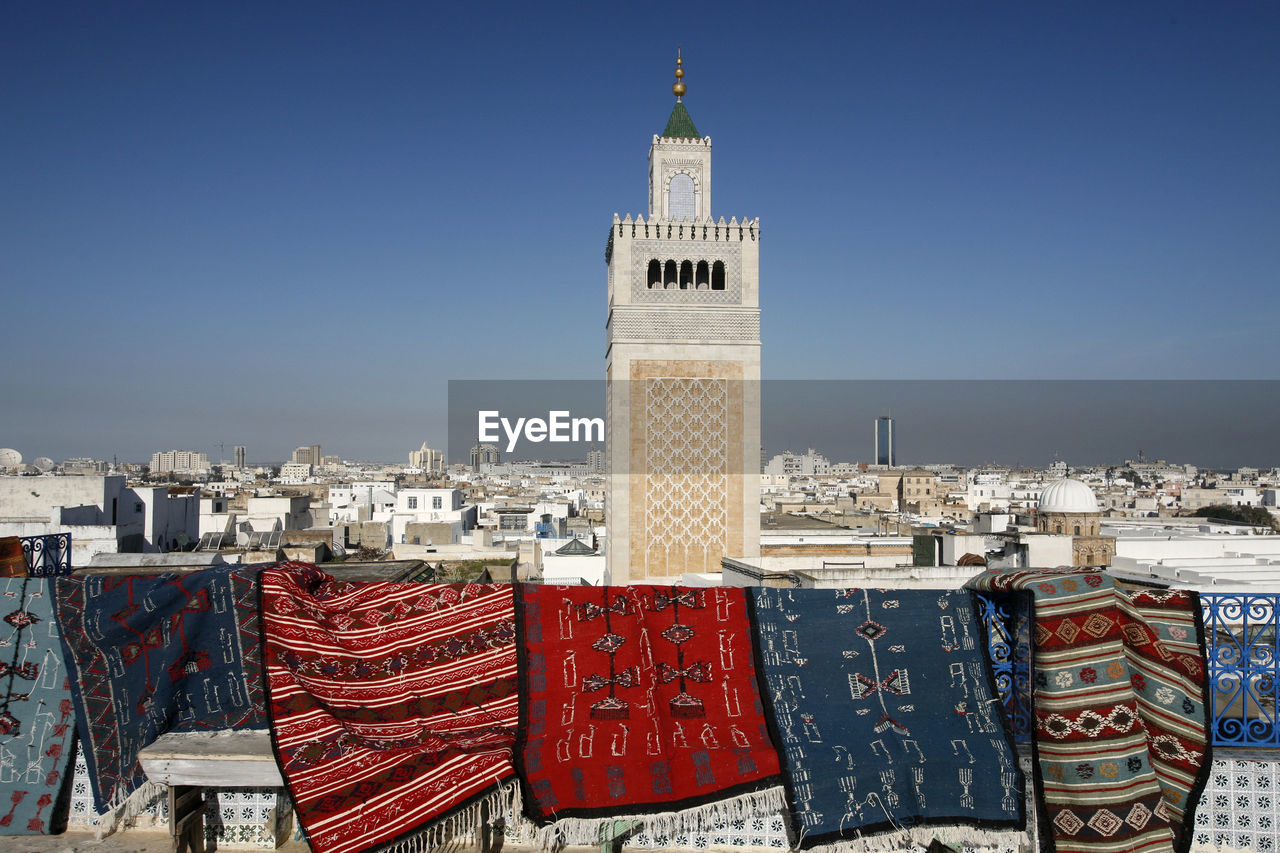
(957, 836)
(700, 820)
(462, 825)
(128, 807)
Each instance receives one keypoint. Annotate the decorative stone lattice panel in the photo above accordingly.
(686, 250)
(686, 472)
(1238, 810)
(691, 325)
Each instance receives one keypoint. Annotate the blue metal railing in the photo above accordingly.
(1243, 652)
(1007, 619)
(47, 555)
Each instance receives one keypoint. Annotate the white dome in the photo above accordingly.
(1068, 495)
(9, 458)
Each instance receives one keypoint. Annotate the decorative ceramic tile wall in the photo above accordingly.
(759, 831)
(247, 817)
(83, 815)
(1240, 809)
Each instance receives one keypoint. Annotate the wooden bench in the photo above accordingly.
(189, 761)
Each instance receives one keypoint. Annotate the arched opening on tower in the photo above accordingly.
(655, 274)
(669, 275)
(717, 276)
(686, 275)
(703, 276)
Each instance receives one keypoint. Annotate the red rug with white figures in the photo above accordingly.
(640, 700)
(1119, 696)
(393, 705)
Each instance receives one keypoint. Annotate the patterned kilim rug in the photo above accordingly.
(153, 654)
(884, 709)
(37, 722)
(393, 706)
(640, 701)
(1118, 689)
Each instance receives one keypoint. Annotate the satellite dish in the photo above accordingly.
(9, 458)
(42, 463)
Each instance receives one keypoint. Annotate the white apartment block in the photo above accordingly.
(811, 463)
(295, 472)
(179, 461)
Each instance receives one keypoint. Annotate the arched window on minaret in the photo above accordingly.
(717, 276)
(680, 198)
(669, 277)
(655, 275)
(703, 277)
(686, 275)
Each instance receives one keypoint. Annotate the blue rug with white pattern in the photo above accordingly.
(884, 713)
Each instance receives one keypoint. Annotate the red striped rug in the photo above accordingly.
(393, 706)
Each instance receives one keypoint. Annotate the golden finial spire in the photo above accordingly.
(678, 88)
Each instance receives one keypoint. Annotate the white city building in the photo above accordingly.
(295, 472)
(102, 513)
(351, 503)
(811, 463)
(179, 462)
(429, 506)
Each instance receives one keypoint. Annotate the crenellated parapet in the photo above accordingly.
(655, 228)
(679, 142)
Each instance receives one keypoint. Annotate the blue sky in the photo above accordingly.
(286, 223)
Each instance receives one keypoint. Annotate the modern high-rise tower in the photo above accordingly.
(682, 367)
(239, 453)
(884, 442)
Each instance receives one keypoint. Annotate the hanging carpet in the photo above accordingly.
(37, 718)
(1118, 693)
(151, 654)
(640, 701)
(884, 711)
(393, 706)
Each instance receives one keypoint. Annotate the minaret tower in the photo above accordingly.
(682, 367)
